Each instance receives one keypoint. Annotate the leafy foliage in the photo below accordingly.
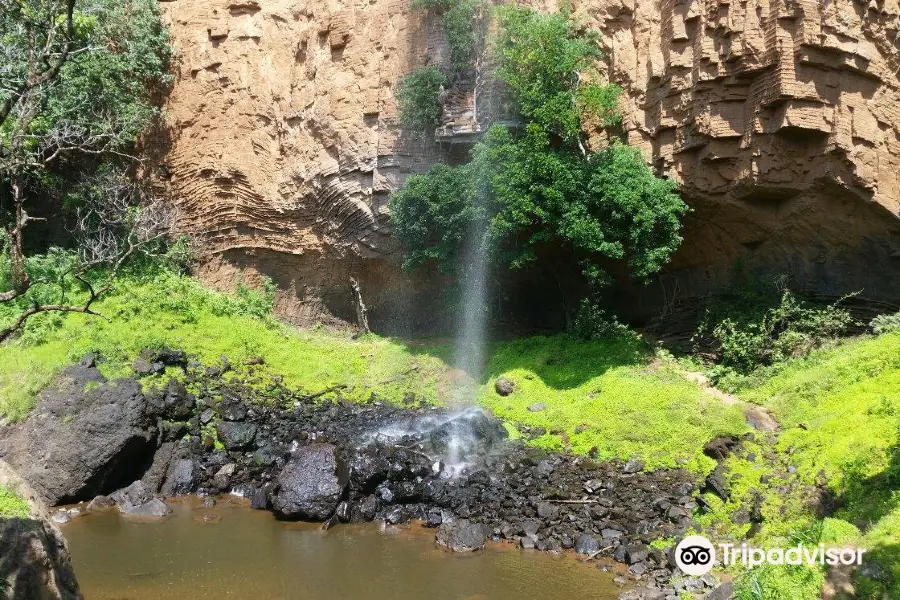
(540, 186)
(592, 323)
(431, 215)
(886, 324)
(419, 96)
(791, 328)
(465, 22)
(77, 87)
(548, 66)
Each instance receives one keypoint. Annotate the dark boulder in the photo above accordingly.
(720, 448)
(85, 437)
(34, 561)
(311, 484)
(586, 544)
(138, 500)
(236, 436)
(462, 536)
(181, 478)
(134, 495)
(231, 408)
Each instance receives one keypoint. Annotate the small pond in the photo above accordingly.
(232, 551)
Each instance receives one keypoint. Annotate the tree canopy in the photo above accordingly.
(78, 80)
(540, 184)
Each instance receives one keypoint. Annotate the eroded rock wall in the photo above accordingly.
(778, 118)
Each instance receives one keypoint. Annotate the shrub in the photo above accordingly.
(419, 96)
(593, 323)
(465, 22)
(790, 329)
(886, 324)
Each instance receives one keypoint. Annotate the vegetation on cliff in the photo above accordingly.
(539, 186)
(77, 87)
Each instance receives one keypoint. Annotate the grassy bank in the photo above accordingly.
(11, 505)
(608, 394)
(164, 309)
(840, 414)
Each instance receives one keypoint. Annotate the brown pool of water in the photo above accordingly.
(232, 551)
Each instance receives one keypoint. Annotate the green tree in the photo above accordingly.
(420, 97)
(540, 185)
(77, 82)
(466, 23)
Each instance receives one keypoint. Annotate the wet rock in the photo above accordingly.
(586, 544)
(462, 536)
(172, 402)
(472, 433)
(526, 543)
(434, 518)
(222, 478)
(154, 508)
(633, 466)
(343, 512)
(232, 409)
(61, 517)
(133, 495)
(236, 436)
(395, 515)
(85, 437)
(181, 478)
(311, 484)
(504, 386)
(368, 507)
(259, 499)
(101, 503)
(537, 407)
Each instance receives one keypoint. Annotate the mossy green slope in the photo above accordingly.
(610, 395)
(176, 311)
(840, 413)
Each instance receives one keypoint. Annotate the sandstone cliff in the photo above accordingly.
(778, 118)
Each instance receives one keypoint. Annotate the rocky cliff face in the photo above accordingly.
(778, 118)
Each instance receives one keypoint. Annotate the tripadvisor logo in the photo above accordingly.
(695, 555)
